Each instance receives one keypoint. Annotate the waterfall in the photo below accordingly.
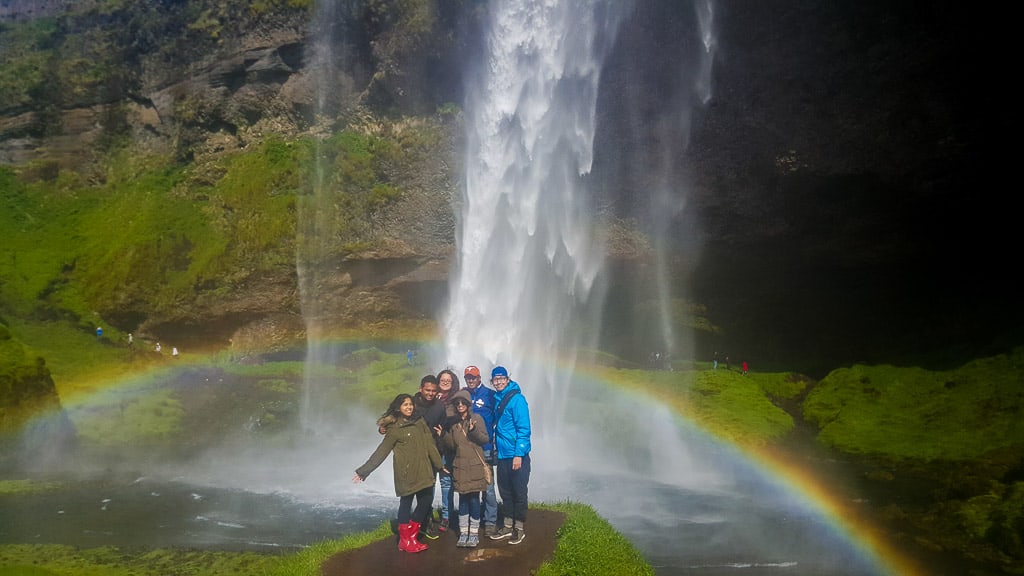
(668, 202)
(527, 256)
(316, 220)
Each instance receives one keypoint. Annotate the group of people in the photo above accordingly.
(714, 360)
(456, 437)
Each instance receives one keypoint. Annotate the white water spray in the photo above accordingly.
(527, 255)
(316, 218)
(667, 203)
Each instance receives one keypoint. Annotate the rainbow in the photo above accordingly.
(811, 489)
(806, 485)
(862, 534)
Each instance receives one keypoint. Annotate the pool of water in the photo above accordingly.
(691, 505)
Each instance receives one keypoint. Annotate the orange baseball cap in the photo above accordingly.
(472, 371)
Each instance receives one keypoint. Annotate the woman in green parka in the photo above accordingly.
(416, 461)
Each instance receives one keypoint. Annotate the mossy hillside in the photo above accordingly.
(154, 235)
(912, 413)
(79, 362)
(724, 403)
(25, 50)
(951, 442)
(177, 236)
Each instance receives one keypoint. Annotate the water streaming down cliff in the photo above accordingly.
(527, 257)
(315, 236)
(667, 201)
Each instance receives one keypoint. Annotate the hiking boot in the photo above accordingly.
(430, 530)
(444, 525)
(473, 541)
(517, 536)
(489, 530)
(463, 541)
(501, 533)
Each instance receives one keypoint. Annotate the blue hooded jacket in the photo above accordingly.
(512, 430)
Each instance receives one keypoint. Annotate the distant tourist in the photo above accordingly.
(99, 332)
(512, 441)
(415, 461)
(744, 367)
(174, 351)
(131, 340)
(158, 347)
(409, 354)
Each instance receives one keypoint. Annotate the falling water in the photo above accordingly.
(530, 259)
(668, 201)
(527, 256)
(315, 224)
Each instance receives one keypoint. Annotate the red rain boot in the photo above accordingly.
(414, 545)
(403, 537)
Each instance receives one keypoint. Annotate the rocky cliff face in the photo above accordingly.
(203, 87)
(827, 183)
(832, 184)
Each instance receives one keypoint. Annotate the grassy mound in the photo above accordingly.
(912, 413)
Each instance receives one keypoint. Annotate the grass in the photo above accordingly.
(587, 546)
(56, 560)
(9, 487)
(725, 403)
(912, 413)
(78, 362)
(307, 562)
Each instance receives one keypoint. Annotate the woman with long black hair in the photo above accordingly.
(416, 460)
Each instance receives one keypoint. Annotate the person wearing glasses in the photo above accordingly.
(512, 443)
(483, 404)
(448, 384)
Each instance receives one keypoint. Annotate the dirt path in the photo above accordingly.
(491, 557)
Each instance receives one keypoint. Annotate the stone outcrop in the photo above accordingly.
(34, 428)
(837, 138)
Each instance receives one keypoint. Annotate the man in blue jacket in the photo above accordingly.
(483, 404)
(512, 443)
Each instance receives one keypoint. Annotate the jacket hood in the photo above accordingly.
(464, 394)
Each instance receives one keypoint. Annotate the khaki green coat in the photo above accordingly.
(415, 456)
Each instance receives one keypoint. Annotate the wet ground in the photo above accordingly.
(443, 557)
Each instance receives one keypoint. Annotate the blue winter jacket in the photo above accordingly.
(512, 430)
(484, 404)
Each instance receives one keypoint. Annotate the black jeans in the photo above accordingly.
(513, 488)
(424, 501)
